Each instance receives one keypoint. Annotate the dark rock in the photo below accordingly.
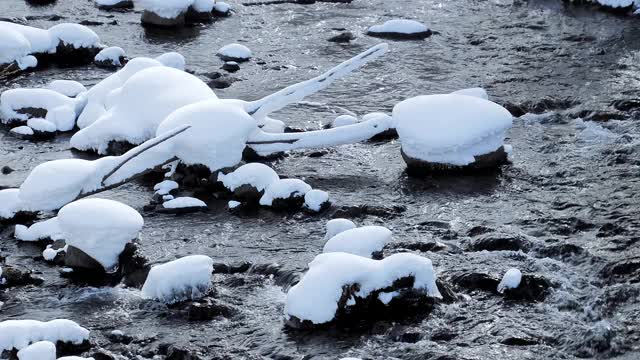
(18, 276)
(78, 259)
(122, 5)
(182, 210)
(317, 154)
(207, 309)
(610, 229)
(134, 267)
(119, 337)
(482, 163)
(118, 147)
(231, 66)
(90, 23)
(446, 291)
(222, 82)
(561, 251)
(40, 2)
(498, 242)
(292, 203)
(540, 106)
(627, 269)
(532, 288)
(33, 112)
(69, 55)
(103, 354)
(443, 335)
(401, 334)
(216, 12)
(626, 105)
(418, 246)
(350, 212)
(69, 348)
(344, 37)
(401, 36)
(193, 16)
(476, 281)
(478, 230)
(519, 341)
(175, 353)
(6, 170)
(110, 65)
(149, 18)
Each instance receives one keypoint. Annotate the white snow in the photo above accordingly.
(284, 189)
(618, 3)
(235, 51)
(63, 108)
(19, 334)
(10, 203)
(314, 199)
(184, 202)
(186, 278)
(68, 88)
(168, 9)
(111, 54)
(49, 253)
(344, 120)
(173, 60)
(42, 125)
(41, 350)
(257, 175)
(399, 26)
(101, 228)
(386, 297)
(273, 126)
(145, 100)
(233, 204)
(165, 187)
(39, 231)
(477, 92)
(107, 2)
(450, 128)
(222, 7)
(26, 62)
(362, 241)
(40, 40)
(510, 280)
(203, 5)
(13, 45)
(78, 36)
(336, 226)
(315, 297)
(22, 130)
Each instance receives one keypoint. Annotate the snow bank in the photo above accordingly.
(19, 334)
(145, 100)
(258, 175)
(450, 128)
(284, 189)
(41, 350)
(314, 199)
(234, 52)
(362, 241)
(48, 229)
(510, 280)
(101, 228)
(186, 278)
(184, 202)
(165, 187)
(168, 9)
(315, 298)
(10, 203)
(399, 26)
(110, 56)
(68, 88)
(336, 226)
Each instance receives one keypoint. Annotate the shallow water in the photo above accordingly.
(568, 178)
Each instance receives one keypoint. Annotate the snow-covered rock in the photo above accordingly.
(165, 187)
(68, 88)
(144, 101)
(111, 57)
(186, 278)
(284, 193)
(22, 131)
(42, 125)
(48, 229)
(344, 120)
(114, 4)
(41, 350)
(367, 241)
(249, 181)
(19, 334)
(318, 297)
(477, 92)
(10, 203)
(14, 47)
(401, 29)
(221, 8)
(173, 60)
(336, 226)
(450, 130)
(234, 52)
(74, 35)
(184, 203)
(510, 280)
(100, 228)
(316, 200)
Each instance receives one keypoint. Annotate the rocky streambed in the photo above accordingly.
(564, 210)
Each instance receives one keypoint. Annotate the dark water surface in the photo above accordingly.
(569, 182)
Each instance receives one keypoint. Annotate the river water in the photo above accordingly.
(570, 181)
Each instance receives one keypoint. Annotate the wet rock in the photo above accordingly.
(626, 104)
(78, 259)
(478, 230)
(90, 23)
(17, 276)
(418, 246)
(405, 335)
(499, 242)
(173, 352)
(627, 269)
(533, 288)
(596, 340)
(220, 81)
(292, 203)
(104, 354)
(68, 348)
(220, 268)
(122, 5)
(540, 106)
(401, 36)
(194, 16)
(560, 251)
(446, 291)
(602, 115)
(343, 37)
(119, 337)
(483, 163)
(208, 309)
(69, 55)
(6, 170)
(350, 212)
(443, 335)
(519, 341)
(231, 66)
(475, 281)
(40, 2)
(610, 229)
(152, 19)
(134, 267)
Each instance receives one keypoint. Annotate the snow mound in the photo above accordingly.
(173, 60)
(68, 88)
(363, 241)
(78, 36)
(315, 298)
(110, 55)
(168, 9)
(41, 350)
(234, 52)
(165, 187)
(19, 334)
(510, 280)
(101, 228)
(284, 189)
(48, 229)
(450, 128)
(63, 109)
(222, 7)
(344, 120)
(42, 125)
(203, 6)
(258, 175)
(40, 40)
(10, 203)
(13, 45)
(336, 226)
(184, 202)
(399, 26)
(145, 100)
(186, 278)
(22, 130)
(477, 92)
(314, 199)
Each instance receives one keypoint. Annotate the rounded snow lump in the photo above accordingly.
(234, 52)
(186, 278)
(401, 29)
(336, 226)
(363, 241)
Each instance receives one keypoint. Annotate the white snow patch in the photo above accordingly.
(13, 45)
(101, 228)
(165, 187)
(65, 108)
(235, 51)
(78, 36)
(41, 350)
(26, 62)
(362, 241)
(399, 26)
(476, 92)
(344, 120)
(68, 88)
(510, 280)
(173, 60)
(222, 7)
(184, 202)
(314, 199)
(22, 130)
(39, 231)
(257, 175)
(315, 297)
(19, 334)
(10, 203)
(186, 278)
(386, 297)
(42, 125)
(284, 189)
(168, 9)
(233, 204)
(111, 54)
(203, 5)
(336, 226)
